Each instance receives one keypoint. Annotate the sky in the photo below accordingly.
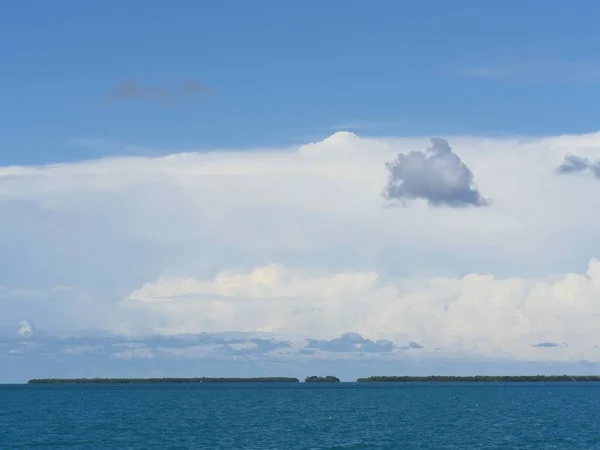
(296, 188)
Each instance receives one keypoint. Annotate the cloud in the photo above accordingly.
(254, 347)
(63, 288)
(573, 164)
(25, 329)
(143, 346)
(485, 72)
(16, 293)
(437, 175)
(546, 345)
(131, 90)
(351, 342)
(413, 345)
(134, 353)
(532, 70)
(296, 243)
(475, 313)
(193, 86)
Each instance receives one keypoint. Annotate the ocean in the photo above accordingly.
(265, 416)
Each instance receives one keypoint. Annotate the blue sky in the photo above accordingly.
(278, 73)
(274, 187)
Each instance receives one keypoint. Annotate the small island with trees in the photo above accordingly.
(327, 379)
(479, 378)
(161, 380)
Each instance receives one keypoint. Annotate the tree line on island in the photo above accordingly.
(479, 378)
(327, 379)
(311, 379)
(164, 380)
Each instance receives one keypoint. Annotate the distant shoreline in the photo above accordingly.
(374, 379)
(161, 380)
(478, 378)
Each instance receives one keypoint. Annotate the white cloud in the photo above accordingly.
(475, 313)
(300, 242)
(322, 204)
(25, 329)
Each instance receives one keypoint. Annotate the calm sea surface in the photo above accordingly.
(299, 416)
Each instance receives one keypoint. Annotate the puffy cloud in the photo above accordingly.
(25, 329)
(265, 299)
(477, 314)
(575, 164)
(437, 175)
(351, 342)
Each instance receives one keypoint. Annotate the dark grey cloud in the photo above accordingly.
(546, 345)
(437, 175)
(351, 342)
(573, 164)
(131, 90)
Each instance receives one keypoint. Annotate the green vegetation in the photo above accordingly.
(161, 380)
(482, 378)
(327, 379)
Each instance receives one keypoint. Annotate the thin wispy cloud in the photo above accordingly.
(546, 345)
(22, 293)
(132, 90)
(359, 124)
(96, 148)
(485, 72)
(412, 345)
(535, 71)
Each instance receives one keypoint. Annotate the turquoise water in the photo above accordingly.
(299, 416)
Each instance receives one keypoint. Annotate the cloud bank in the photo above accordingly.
(297, 250)
(474, 313)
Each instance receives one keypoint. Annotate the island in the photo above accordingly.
(479, 378)
(161, 380)
(327, 379)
